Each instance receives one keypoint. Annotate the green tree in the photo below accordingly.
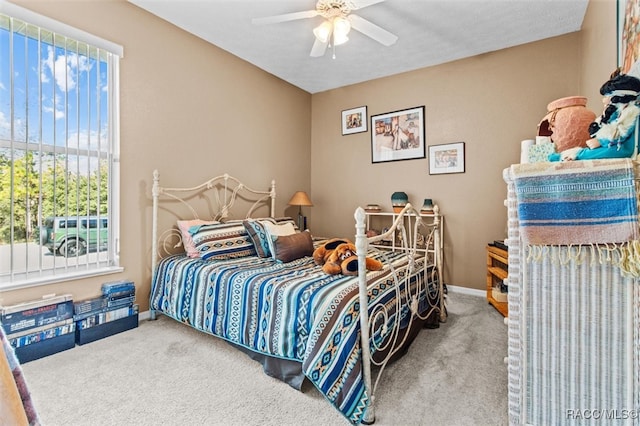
(18, 197)
(25, 194)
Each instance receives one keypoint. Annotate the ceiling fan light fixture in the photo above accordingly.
(339, 39)
(341, 27)
(323, 31)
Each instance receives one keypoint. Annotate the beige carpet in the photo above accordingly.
(165, 373)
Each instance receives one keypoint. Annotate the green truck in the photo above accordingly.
(75, 235)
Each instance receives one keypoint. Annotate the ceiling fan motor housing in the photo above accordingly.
(329, 9)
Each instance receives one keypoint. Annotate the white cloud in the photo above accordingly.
(5, 125)
(19, 128)
(64, 68)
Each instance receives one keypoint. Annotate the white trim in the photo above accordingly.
(58, 27)
(466, 290)
(52, 279)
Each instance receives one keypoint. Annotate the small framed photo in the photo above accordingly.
(398, 135)
(354, 120)
(446, 158)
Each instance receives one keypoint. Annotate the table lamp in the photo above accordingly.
(300, 199)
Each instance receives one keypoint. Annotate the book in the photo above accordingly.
(117, 286)
(107, 316)
(45, 334)
(119, 295)
(37, 313)
(108, 306)
(89, 305)
(124, 301)
(45, 347)
(31, 304)
(87, 335)
(39, 328)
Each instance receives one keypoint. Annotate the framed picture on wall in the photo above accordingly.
(446, 158)
(628, 33)
(398, 135)
(354, 120)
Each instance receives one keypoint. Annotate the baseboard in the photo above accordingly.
(466, 290)
(143, 316)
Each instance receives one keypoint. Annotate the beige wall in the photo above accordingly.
(491, 102)
(599, 52)
(192, 110)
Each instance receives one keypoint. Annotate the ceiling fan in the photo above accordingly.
(338, 22)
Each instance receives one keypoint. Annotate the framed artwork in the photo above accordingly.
(354, 120)
(398, 135)
(628, 33)
(446, 158)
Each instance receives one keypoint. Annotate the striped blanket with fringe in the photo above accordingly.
(576, 202)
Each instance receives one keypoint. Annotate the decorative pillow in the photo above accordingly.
(291, 247)
(184, 227)
(222, 241)
(286, 219)
(277, 230)
(259, 235)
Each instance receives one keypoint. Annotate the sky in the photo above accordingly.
(71, 86)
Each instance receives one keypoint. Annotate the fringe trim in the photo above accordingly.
(625, 256)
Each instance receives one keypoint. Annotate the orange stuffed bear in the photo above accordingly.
(338, 256)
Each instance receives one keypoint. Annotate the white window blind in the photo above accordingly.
(59, 156)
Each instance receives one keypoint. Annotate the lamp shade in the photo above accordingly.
(323, 31)
(300, 198)
(341, 28)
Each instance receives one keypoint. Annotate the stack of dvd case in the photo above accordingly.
(112, 312)
(39, 328)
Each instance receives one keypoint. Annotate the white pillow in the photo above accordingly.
(274, 231)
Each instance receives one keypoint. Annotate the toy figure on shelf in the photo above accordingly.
(613, 133)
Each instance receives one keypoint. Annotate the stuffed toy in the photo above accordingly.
(339, 257)
(322, 253)
(613, 133)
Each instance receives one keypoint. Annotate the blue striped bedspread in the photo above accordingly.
(289, 310)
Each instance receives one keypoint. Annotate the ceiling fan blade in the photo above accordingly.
(359, 4)
(284, 17)
(318, 48)
(377, 33)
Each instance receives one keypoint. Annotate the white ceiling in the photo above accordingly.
(430, 32)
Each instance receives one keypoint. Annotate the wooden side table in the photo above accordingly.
(497, 267)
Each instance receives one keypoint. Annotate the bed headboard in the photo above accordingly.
(218, 195)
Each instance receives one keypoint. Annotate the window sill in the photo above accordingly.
(6, 285)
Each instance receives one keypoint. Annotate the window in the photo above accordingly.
(59, 148)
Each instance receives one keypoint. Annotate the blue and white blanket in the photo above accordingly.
(289, 310)
(577, 202)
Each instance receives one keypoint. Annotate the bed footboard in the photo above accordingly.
(410, 224)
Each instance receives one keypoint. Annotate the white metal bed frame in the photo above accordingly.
(409, 224)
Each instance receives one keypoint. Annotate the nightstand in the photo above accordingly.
(497, 267)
